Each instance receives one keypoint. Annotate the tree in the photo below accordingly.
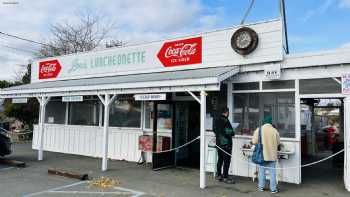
(85, 35)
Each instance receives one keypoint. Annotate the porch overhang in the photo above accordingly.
(207, 79)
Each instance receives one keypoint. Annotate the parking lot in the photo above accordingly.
(134, 180)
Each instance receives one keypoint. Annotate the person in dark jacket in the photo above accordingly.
(224, 132)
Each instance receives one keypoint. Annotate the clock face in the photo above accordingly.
(244, 41)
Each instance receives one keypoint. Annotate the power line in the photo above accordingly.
(247, 11)
(24, 39)
(19, 49)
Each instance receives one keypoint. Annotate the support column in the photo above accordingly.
(107, 100)
(297, 123)
(42, 101)
(202, 176)
(347, 143)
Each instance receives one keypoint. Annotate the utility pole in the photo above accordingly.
(282, 6)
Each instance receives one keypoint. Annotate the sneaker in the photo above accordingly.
(260, 189)
(274, 192)
(229, 181)
(219, 178)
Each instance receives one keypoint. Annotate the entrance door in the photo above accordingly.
(347, 142)
(186, 129)
(163, 136)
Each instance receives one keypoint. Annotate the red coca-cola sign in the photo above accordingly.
(181, 52)
(49, 69)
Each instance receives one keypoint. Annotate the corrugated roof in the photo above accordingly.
(134, 78)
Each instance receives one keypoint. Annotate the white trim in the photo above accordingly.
(322, 96)
(337, 80)
(149, 84)
(206, 87)
(262, 91)
(230, 101)
(194, 96)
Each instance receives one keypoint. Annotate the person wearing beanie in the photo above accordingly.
(270, 140)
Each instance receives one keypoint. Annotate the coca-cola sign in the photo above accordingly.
(49, 69)
(181, 52)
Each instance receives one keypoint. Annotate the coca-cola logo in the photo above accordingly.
(181, 52)
(49, 69)
(187, 49)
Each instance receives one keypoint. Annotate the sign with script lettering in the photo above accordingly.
(208, 49)
(181, 52)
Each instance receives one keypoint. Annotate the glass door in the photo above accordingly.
(163, 136)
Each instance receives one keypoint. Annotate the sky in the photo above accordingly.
(313, 25)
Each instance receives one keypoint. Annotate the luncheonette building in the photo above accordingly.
(122, 103)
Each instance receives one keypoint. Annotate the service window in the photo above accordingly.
(251, 108)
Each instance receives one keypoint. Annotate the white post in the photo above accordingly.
(42, 101)
(100, 115)
(67, 114)
(347, 143)
(202, 182)
(297, 123)
(106, 102)
(105, 133)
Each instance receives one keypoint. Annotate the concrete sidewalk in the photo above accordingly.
(137, 180)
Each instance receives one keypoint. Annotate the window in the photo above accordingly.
(319, 86)
(271, 85)
(55, 112)
(84, 113)
(125, 113)
(251, 108)
(164, 121)
(246, 86)
(149, 115)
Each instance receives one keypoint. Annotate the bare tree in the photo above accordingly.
(84, 35)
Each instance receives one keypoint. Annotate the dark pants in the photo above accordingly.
(224, 160)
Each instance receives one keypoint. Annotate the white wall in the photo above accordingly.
(240, 167)
(87, 141)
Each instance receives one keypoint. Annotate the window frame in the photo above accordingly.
(295, 90)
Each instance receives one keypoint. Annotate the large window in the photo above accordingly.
(55, 112)
(125, 113)
(251, 108)
(84, 113)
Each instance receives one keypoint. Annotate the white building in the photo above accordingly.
(99, 103)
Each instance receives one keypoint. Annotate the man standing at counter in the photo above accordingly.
(224, 132)
(270, 140)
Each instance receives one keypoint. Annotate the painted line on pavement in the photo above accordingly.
(124, 191)
(5, 169)
(53, 189)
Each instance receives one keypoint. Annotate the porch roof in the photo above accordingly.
(208, 79)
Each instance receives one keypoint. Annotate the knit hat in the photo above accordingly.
(268, 120)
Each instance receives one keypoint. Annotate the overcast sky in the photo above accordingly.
(312, 24)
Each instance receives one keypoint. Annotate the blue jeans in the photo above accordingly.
(271, 167)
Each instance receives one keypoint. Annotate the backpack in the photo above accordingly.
(258, 155)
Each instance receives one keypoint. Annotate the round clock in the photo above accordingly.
(244, 41)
